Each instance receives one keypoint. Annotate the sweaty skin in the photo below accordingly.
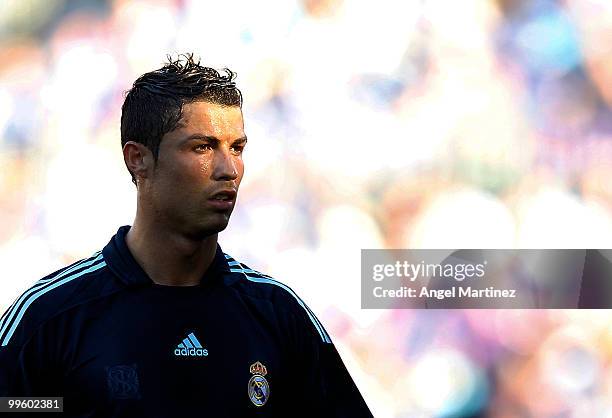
(174, 235)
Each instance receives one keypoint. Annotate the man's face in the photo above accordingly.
(195, 181)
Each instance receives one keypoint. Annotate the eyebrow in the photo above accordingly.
(202, 137)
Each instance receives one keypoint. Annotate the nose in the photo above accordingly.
(225, 166)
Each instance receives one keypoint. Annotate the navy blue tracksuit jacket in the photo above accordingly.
(113, 343)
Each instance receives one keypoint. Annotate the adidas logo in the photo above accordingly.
(190, 347)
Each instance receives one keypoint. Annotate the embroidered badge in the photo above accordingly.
(123, 382)
(259, 389)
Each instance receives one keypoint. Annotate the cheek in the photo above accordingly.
(184, 173)
(202, 167)
(193, 169)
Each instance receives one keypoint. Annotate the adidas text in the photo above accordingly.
(191, 352)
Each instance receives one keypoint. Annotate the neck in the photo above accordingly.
(169, 257)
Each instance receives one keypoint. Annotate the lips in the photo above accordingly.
(223, 199)
(224, 195)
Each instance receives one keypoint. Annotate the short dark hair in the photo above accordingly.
(153, 106)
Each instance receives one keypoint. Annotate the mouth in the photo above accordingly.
(223, 199)
(224, 195)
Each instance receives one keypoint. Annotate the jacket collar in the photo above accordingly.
(123, 264)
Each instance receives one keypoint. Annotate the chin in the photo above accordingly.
(207, 229)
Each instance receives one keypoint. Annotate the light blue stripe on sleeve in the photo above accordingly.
(266, 279)
(7, 318)
(42, 292)
(314, 321)
(95, 256)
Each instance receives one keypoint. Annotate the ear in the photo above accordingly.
(138, 159)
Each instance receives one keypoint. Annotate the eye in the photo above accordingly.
(202, 147)
(238, 149)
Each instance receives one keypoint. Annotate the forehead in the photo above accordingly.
(210, 119)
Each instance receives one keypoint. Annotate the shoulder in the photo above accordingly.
(51, 295)
(263, 286)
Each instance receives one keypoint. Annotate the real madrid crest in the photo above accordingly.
(259, 389)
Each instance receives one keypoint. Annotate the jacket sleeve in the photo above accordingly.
(319, 375)
(21, 365)
(16, 375)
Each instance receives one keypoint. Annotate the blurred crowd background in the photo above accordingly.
(371, 124)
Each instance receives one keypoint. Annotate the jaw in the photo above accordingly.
(211, 224)
(184, 214)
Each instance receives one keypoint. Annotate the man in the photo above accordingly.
(161, 322)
